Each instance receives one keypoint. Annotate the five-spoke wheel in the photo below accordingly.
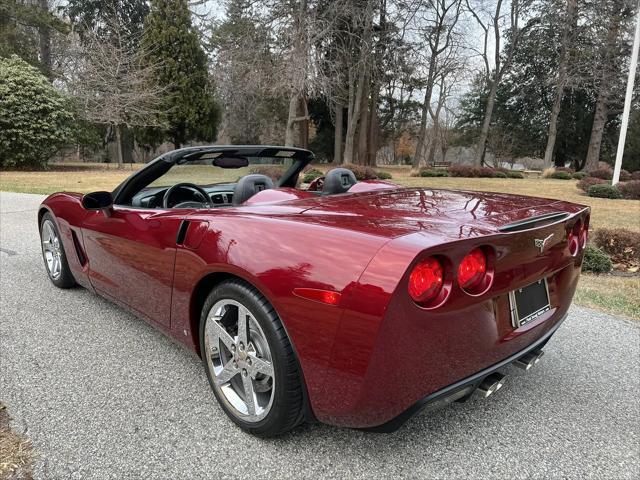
(55, 258)
(249, 360)
(239, 356)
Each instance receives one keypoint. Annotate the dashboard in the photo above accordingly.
(221, 195)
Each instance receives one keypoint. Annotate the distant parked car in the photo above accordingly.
(353, 303)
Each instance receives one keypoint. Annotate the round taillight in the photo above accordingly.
(472, 269)
(574, 238)
(584, 233)
(426, 280)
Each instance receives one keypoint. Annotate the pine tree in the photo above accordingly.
(174, 43)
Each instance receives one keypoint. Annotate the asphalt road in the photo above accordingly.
(104, 395)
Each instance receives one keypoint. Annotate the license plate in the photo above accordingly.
(528, 303)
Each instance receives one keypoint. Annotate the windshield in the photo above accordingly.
(202, 172)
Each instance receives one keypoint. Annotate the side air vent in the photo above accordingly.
(534, 222)
(82, 258)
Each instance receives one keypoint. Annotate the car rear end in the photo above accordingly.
(461, 311)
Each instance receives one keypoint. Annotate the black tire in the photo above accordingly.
(287, 409)
(65, 279)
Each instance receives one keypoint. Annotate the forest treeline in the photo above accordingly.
(358, 81)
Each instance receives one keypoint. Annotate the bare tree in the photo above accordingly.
(568, 25)
(113, 84)
(438, 30)
(496, 25)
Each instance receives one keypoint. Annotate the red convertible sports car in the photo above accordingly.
(352, 303)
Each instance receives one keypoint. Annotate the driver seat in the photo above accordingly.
(249, 185)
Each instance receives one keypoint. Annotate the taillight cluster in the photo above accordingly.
(430, 280)
(578, 235)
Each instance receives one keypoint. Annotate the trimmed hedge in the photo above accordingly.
(596, 260)
(560, 175)
(361, 172)
(512, 174)
(434, 173)
(382, 175)
(630, 190)
(602, 173)
(622, 245)
(271, 171)
(587, 182)
(604, 191)
(579, 175)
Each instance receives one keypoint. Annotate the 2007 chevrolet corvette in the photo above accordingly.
(353, 303)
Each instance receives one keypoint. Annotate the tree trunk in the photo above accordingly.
(363, 127)
(599, 121)
(44, 35)
(290, 131)
(303, 128)
(419, 158)
(372, 147)
(561, 82)
(488, 113)
(354, 120)
(119, 147)
(337, 138)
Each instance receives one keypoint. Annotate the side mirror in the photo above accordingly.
(97, 201)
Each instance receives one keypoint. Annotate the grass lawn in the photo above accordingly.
(620, 295)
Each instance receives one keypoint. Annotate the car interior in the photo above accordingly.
(196, 195)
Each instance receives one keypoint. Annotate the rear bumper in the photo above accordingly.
(462, 388)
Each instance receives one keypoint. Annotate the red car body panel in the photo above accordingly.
(369, 359)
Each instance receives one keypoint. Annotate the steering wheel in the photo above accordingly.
(198, 191)
(316, 185)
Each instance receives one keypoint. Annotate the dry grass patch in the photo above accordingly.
(610, 293)
(16, 454)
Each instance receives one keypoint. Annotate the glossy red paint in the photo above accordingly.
(363, 246)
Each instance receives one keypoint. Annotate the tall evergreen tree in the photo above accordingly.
(174, 43)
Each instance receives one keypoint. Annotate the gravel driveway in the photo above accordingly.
(104, 395)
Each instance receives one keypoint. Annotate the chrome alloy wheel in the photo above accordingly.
(51, 249)
(238, 356)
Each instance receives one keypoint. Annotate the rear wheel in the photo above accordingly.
(249, 361)
(55, 258)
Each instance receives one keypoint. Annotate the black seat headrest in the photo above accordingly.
(338, 180)
(249, 185)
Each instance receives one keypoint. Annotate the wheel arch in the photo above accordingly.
(198, 298)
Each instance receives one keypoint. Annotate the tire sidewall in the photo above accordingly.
(280, 406)
(65, 280)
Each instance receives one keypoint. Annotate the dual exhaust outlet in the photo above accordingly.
(494, 382)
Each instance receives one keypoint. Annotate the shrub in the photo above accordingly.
(499, 175)
(604, 191)
(35, 118)
(560, 175)
(596, 261)
(270, 171)
(625, 176)
(547, 172)
(434, 173)
(579, 175)
(310, 177)
(512, 174)
(486, 172)
(623, 246)
(635, 175)
(382, 175)
(603, 173)
(586, 182)
(569, 170)
(630, 190)
(361, 172)
(463, 171)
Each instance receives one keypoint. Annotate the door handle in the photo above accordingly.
(182, 232)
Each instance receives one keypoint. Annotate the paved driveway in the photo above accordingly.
(103, 395)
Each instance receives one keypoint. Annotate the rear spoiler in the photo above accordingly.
(534, 222)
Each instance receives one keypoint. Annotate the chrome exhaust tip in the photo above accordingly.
(528, 361)
(490, 385)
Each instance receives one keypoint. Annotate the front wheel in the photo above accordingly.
(55, 258)
(249, 361)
